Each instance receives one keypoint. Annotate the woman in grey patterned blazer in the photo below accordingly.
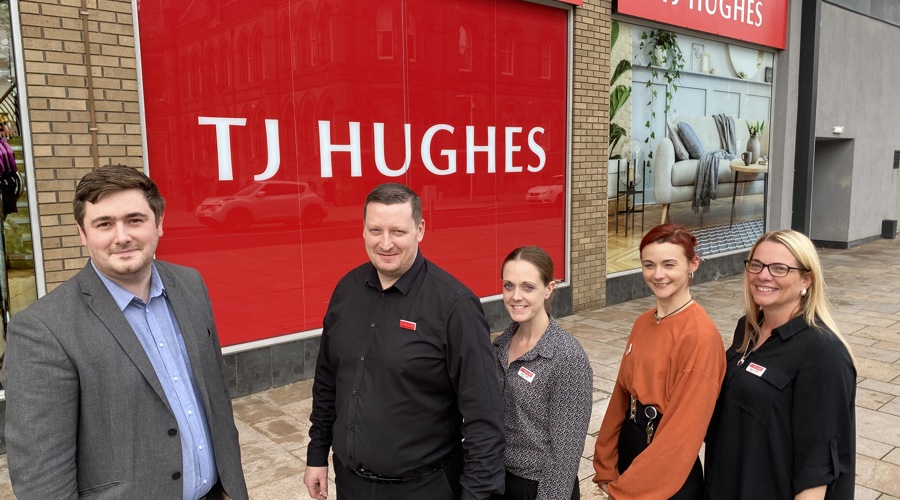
(546, 382)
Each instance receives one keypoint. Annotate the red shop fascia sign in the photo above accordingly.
(763, 22)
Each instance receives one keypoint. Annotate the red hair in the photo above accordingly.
(675, 234)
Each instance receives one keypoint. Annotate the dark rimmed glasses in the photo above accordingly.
(776, 269)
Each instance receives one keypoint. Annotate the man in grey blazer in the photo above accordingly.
(114, 381)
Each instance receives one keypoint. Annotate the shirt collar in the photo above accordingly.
(123, 297)
(404, 283)
(545, 347)
(792, 327)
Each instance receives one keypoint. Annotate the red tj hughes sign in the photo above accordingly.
(758, 21)
(268, 122)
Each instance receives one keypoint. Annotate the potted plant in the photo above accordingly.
(618, 96)
(755, 128)
(665, 63)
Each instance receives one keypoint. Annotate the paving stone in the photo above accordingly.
(869, 368)
(252, 409)
(873, 449)
(878, 426)
(893, 407)
(878, 475)
(863, 493)
(870, 399)
(878, 385)
(286, 431)
(292, 393)
(597, 412)
(877, 354)
(893, 456)
(883, 344)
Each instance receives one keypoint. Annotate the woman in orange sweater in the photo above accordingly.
(665, 393)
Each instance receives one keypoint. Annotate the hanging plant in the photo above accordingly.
(618, 96)
(665, 64)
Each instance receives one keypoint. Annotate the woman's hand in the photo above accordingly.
(816, 493)
(605, 488)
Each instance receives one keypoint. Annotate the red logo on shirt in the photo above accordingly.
(409, 325)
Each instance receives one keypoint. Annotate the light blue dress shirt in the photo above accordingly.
(156, 328)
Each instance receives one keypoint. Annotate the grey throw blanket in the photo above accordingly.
(707, 181)
(727, 138)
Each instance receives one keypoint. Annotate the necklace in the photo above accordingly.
(750, 348)
(744, 357)
(660, 318)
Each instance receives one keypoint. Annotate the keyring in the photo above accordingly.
(647, 412)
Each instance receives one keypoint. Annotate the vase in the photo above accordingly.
(659, 53)
(753, 148)
(613, 178)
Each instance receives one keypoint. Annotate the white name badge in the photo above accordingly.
(756, 369)
(526, 374)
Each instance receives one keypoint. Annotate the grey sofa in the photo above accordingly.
(673, 181)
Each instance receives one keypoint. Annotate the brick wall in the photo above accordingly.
(590, 125)
(59, 110)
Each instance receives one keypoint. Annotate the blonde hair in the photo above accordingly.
(814, 306)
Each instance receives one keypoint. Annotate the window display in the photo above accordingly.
(695, 105)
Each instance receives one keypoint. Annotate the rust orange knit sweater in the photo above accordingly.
(678, 366)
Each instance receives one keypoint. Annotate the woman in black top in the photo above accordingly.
(784, 424)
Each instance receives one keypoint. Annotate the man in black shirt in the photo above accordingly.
(405, 372)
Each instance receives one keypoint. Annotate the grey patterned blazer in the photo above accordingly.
(86, 415)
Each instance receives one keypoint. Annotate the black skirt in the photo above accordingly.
(633, 440)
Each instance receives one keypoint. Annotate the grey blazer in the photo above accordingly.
(86, 415)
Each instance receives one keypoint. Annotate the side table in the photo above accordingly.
(738, 167)
(633, 187)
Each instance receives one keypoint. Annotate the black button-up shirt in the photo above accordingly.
(785, 418)
(404, 374)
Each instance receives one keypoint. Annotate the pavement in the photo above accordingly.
(864, 287)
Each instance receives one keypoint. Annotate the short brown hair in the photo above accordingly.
(393, 194)
(113, 178)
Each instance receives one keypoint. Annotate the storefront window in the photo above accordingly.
(17, 278)
(265, 175)
(679, 104)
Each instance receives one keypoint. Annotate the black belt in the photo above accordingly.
(417, 473)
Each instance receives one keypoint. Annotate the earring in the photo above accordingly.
(803, 292)
(691, 275)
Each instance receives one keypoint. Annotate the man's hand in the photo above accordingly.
(316, 481)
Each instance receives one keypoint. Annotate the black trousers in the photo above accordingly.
(633, 440)
(519, 488)
(439, 485)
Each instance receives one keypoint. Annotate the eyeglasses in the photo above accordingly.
(776, 269)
